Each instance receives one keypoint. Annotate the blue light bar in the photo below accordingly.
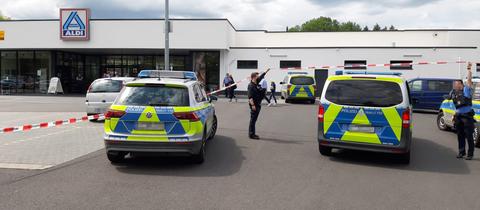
(368, 73)
(302, 73)
(167, 74)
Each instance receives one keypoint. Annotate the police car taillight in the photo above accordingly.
(114, 114)
(191, 116)
(321, 113)
(406, 119)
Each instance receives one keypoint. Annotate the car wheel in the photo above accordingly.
(200, 157)
(312, 101)
(325, 151)
(441, 124)
(115, 156)
(214, 128)
(404, 158)
(476, 137)
(288, 101)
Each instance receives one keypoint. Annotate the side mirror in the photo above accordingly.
(212, 98)
(282, 83)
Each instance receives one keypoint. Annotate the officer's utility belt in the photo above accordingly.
(471, 113)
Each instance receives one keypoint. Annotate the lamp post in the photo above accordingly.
(167, 31)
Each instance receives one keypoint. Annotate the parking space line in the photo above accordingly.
(24, 166)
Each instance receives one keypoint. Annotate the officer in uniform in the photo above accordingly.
(464, 122)
(255, 97)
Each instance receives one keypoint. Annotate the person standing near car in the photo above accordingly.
(231, 90)
(226, 81)
(463, 118)
(255, 97)
(273, 88)
(264, 86)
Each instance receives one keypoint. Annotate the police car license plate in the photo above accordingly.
(361, 129)
(150, 126)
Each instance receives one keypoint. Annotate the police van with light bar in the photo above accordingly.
(365, 111)
(298, 86)
(160, 112)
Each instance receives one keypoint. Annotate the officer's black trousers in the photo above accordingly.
(464, 126)
(253, 119)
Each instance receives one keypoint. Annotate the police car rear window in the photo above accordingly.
(106, 86)
(364, 93)
(302, 81)
(154, 96)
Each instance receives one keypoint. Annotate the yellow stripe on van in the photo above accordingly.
(394, 120)
(330, 115)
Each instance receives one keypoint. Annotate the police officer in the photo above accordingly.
(255, 97)
(463, 118)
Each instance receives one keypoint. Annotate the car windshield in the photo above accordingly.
(302, 81)
(157, 95)
(364, 93)
(106, 86)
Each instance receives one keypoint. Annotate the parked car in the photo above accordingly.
(103, 92)
(428, 93)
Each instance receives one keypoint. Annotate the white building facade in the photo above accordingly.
(32, 51)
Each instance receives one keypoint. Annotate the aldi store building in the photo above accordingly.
(78, 50)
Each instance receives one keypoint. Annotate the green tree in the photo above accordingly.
(350, 26)
(366, 28)
(392, 28)
(2, 17)
(377, 27)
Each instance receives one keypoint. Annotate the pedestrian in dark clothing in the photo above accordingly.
(463, 118)
(226, 81)
(255, 97)
(231, 90)
(273, 88)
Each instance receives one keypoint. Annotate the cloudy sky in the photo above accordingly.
(269, 14)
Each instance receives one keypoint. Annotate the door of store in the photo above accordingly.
(321, 76)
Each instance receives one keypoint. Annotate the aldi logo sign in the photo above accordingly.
(74, 24)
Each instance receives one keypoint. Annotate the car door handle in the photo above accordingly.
(103, 101)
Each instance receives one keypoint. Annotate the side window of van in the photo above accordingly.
(416, 85)
(443, 86)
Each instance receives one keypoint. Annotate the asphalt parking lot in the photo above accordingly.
(283, 170)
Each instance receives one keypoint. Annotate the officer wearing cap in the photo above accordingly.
(255, 97)
(463, 118)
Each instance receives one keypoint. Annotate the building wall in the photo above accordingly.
(124, 34)
(321, 57)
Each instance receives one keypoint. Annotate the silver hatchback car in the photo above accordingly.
(103, 92)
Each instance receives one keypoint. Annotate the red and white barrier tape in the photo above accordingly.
(379, 65)
(56, 123)
(224, 88)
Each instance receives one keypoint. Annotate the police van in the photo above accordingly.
(365, 111)
(298, 86)
(447, 111)
(161, 112)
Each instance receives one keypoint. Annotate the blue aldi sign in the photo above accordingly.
(74, 24)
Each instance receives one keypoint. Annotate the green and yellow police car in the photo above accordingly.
(160, 112)
(365, 111)
(298, 86)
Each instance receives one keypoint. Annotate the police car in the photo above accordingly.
(160, 112)
(298, 86)
(447, 111)
(363, 111)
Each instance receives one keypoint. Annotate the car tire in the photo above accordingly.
(441, 124)
(476, 137)
(325, 151)
(214, 128)
(288, 101)
(312, 101)
(404, 158)
(115, 156)
(201, 156)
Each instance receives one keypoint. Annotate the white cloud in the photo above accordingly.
(269, 14)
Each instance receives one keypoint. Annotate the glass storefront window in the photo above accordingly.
(42, 66)
(27, 75)
(8, 72)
